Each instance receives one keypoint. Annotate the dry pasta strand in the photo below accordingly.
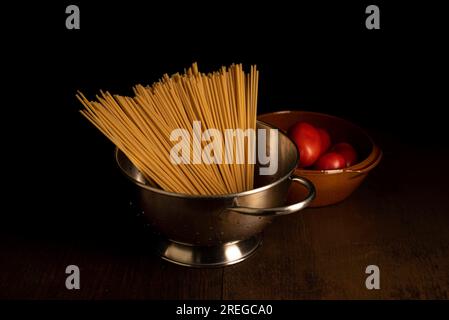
(140, 127)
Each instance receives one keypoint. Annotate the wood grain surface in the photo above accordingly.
(398, 220)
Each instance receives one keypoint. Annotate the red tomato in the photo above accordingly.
(308, 141)
(330, 160)
(325, 139)
(347, 151)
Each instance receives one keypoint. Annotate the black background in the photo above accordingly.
(63, 182)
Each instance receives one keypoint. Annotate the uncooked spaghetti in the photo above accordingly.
(142, 128)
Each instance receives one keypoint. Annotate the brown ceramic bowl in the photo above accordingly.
(332, 186)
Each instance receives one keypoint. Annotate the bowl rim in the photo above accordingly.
(358, 167)
(218, 196)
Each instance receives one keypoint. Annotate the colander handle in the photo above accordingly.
(280, 211)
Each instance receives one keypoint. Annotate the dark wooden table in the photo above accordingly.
(398, 220)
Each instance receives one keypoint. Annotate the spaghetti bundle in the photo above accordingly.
(142, 127)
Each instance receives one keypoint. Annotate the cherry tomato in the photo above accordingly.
(308, 141)
(347, 151)
(330, 160)
(325, 139)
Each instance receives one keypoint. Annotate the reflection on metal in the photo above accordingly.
(176, 252)
(207, 256)
(232, 252)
